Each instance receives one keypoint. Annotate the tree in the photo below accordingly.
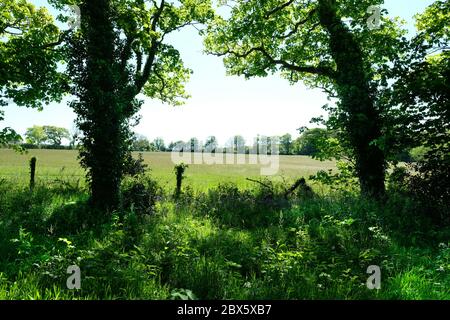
(36, 135)
(159, 144)
(310, 41)
(119, 52)
(420, 97)
(286, 144)
(211, 144)
(54, 135)
(171, 146)
(309, 141)
(8, 136)
(75, 135)
(180, 146)
(266, 145)
(419, 106)
(237, 144)
(28, 65)
(194, 145)
(141, 143)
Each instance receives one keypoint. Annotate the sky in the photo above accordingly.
(220, 105)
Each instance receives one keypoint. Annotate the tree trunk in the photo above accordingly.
(363, 123)
(103, 149)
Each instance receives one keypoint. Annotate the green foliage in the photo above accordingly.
(140, 194)
(35, 135)
(310, 142)
(243, 208)
(141, 143)
(434, 23)
(228, 242)
(51, 135)
(418, 153)
(318, 248)
(417, 108)
(8, 136)
(286, 144)
(344, 180)
(397, 179)
(56, 134)
(308, 41)
(28, 60)
(134, 167)
(417, 103)
(159, 144)
(29, 55)
(120, 51)
(182, 294)
(211, 144)
(430, 183)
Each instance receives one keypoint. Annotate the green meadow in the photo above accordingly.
(223, 238)
(362, 86)
(63, 165)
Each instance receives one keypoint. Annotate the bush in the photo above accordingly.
(430, 184)
(243, 208)
(134, 167)
(418, 154)
(140, 194)
(397, 179)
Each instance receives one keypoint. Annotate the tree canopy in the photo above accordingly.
(323, 43)
(120, 51)
(50, 135)
(28, 66)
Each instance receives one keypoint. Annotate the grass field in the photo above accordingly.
(220, 242)
(63, 164)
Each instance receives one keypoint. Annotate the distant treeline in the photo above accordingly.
(305, 144)
(308, 143)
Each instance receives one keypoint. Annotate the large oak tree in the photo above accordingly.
(324, 43)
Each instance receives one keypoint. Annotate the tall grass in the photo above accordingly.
(224, 243)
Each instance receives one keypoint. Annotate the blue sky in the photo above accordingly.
(220, 105)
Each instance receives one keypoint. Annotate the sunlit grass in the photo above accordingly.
(214, 243)
(63, 165)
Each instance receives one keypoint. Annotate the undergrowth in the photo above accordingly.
(225, 243)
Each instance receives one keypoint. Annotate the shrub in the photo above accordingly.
(243, 208)
(431, 185)
(140, 193)
(397, 180)
(134, 167)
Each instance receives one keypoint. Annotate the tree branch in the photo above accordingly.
(142, 79)
(279, 8)
(298, 24)
(126, 52)
(163, 83)
(138, 62)
(319, 70)
(261, 183)
(60, 40)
